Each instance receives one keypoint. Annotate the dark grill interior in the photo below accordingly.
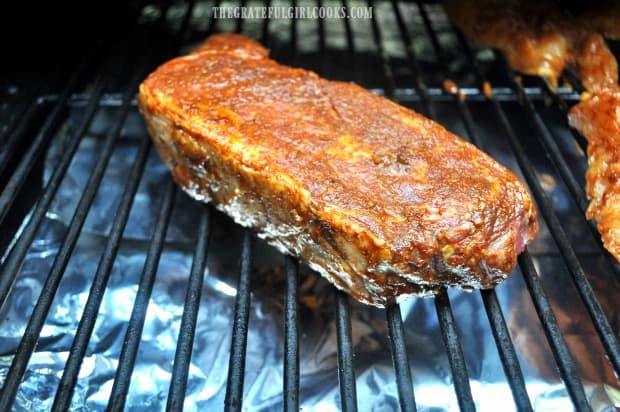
(404, 53)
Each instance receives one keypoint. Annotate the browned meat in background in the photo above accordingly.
(380, 200)
(598, 119)
(538, 38)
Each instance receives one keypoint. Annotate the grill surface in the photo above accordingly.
(404, 53)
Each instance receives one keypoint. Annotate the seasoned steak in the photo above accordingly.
(380, 200)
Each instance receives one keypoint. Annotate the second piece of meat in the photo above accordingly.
(537, 38)
(597, 117)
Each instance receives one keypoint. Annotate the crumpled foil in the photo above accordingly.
(376, 387)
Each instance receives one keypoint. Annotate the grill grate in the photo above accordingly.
(234, 386)
(190, 314)
(16, 168)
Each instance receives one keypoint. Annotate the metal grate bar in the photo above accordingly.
(350, 42)
(562, 355)
(291, 337)
(187, 331)
(85, 327)
(265, 30)
(346, 370)
(212, 20)
(349, 32)
(402, 94)
(506, 350)
(13, 262)
(321, 30)
(429, 108)
(52, 281)
(127, 359)
(584, 288)
(293, 29)
(13, 133)
(431, 34)
(562, 107)
(236, 367)
(401, 360)
(264, 37)
(180, 36)
(456, 359)
(385, 62)
(239, 23)
(322, 43)
(574, 81)
(38, 143)
(549, 144)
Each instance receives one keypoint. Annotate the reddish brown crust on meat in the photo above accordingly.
(537, 38)
(386, 202)
(235, 43)
(597, 117)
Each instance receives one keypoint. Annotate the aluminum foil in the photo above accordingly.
(376, 387)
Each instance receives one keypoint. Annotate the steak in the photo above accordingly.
(378, 199)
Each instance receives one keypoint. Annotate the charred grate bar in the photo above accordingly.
(236, 367)
(506, 350)
(138, 315)
(292, 386)
(291, 339)
(404, 381)
(346, 372)
(178, 381)
(560, 350)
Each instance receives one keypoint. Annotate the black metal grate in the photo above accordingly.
(101, 72)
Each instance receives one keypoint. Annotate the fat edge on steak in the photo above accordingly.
(378, 199)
